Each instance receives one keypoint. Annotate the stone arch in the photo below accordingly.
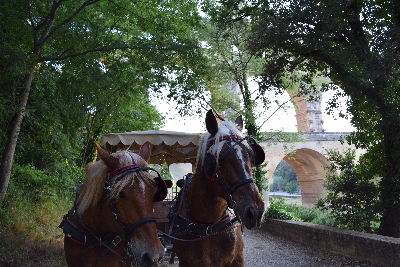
(307, 161)
(308, 166)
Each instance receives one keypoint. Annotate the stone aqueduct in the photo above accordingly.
(309, 156)
(307, 161)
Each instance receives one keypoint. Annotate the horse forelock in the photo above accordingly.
(97, 173)
(224, 128)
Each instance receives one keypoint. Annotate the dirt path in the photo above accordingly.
(262, 249)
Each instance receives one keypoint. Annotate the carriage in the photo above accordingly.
(216, 199)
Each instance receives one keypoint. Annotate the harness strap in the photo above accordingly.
(239, 184)
(184, 226)
(128, 232)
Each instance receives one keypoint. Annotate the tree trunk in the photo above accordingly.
(390, 183)
(391, 221)
(8, 153)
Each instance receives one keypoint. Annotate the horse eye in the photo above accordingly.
(121, 195)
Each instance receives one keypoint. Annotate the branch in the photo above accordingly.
(274, 113)
(45, 38)
(343, 73)
(86, 52)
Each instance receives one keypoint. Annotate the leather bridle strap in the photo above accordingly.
(236, 143)
(239, 184)
(128, 232)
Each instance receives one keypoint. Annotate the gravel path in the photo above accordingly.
(263, 249)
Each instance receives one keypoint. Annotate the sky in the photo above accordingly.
(280, 120)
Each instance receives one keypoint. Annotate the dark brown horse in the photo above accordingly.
(111, 222)
(223, 178)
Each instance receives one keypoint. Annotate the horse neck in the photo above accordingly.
(205, 205)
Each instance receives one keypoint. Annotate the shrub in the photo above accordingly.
(312, 215)
(277, 210)
(291, 187)
(351, 192)
(36, 200)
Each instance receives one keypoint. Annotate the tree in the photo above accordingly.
(156, 38)
(233, 67)
(283, 175)
(352, 192)
(354, 43)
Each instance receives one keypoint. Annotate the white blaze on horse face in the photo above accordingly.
(239, 156)
(142, 185)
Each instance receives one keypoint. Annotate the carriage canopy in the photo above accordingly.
(166, 146)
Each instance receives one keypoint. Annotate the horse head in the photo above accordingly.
(228, 157)
(121, 201)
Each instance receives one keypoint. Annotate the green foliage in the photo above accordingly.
(355, 44)
(278, 184)
(277, 210)
(291, 187)
(284, 176)
(280, 209)
(352, 192)
(36, 200)
(260, 177)
(36, 185)
(312, 215)
(93, 73)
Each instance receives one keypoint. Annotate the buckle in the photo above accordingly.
(209, 230)
(116, 241)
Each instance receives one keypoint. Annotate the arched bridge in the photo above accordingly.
(307, 161)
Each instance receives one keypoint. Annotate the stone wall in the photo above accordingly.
(375, 249)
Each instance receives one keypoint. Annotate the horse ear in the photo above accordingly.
(211, 123)
(111, 162)
(145, 151)
(239, 122)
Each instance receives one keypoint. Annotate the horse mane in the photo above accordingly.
(224, 128)
(96, 175)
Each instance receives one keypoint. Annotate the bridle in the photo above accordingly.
(229, 190)
(108, 240)
(109, 186)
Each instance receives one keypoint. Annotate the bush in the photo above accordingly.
(34, 184)
(36, 200)
(277, 210)
(312, 215)
(291, 187)
(352, 192)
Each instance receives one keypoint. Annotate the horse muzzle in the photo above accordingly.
(147, 258)
(252, 216)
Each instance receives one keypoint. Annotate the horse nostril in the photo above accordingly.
(251, 214)
(146, 259)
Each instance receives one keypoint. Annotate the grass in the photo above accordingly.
(19, 250)
(29, 217)
(29, 235)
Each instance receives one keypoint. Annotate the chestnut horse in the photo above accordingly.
(111, 222)
(223, 179)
